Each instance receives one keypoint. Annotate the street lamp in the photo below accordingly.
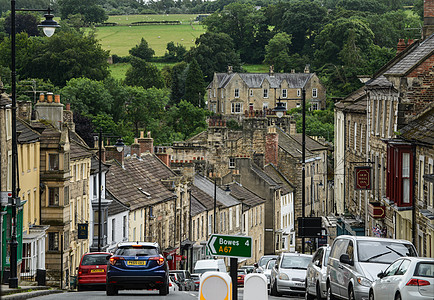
(280, 109)
(49, 28)
(119, 147)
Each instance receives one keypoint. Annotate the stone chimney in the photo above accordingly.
(271, 73)
(112, 153)
(135, 148)
(146, 143)
(401, 46)
(428, 18)
(163, 155)
(292, 128)
(49, 111)
(68, 115)
(230, 70)
(271, 146)
(24, 110)
(307, 69)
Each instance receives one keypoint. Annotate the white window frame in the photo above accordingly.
(265, 93)
(236, 107)
(315, 93)
(298, 93)
(284, 93)
(237, 93)
(251, 92)
(231, 162)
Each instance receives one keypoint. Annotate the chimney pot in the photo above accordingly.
(49, 97)
(68, 106)
(57, 98)
(41, 97)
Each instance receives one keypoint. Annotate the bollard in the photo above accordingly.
(215, 286)
(255, 287)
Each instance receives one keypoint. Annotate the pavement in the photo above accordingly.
(25, 292)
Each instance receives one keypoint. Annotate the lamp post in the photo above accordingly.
(49, 26)
(119, 147)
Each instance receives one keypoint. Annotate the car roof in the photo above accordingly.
(127, 244)
(93, 253)
(370, 238)
(295, 254)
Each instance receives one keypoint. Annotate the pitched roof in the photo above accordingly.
(273, 172)
(207, 186)
(311, 144)
(420, 129)
(291, 145)
(357, 97)
(255, 80)
(206, 200)
(196, 206)
(246, 196)
(115, 207)
(27, 134)
(79, 151)
(94, 166)
(140, 182)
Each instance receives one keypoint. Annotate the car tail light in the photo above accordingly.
(115, 259)
(170, 284)
(417, 282)
(158, 259)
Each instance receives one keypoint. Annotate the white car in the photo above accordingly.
(316, 274)
(267, 271)
(172, 286)
(406, 278)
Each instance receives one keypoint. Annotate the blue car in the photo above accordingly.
(137, 266)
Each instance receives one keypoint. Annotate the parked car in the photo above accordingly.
(406, 278)
(249, 269)
(92, 270)
(173, 287)
(184, 279)
(355, 261)
(289, 274)
(241, 273)
(316, 274)
(262, 262)
(205, 265)
(267, 270)
(137, 265)
(196, 278)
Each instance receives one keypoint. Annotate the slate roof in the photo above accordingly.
(206, 200)
(415, 56)
(94, 167)
(380, 81)
(207, 186)
(290, 145)
(421, 129)
(311, 144)
(27, 135)
(351, 99)
(196, 206)
(246, 196)
(140, 181)
(78, 151)
(285, 186)
(115, 207)
(264, 176)
(255, 80)
(5, 100)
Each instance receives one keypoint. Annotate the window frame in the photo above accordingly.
(53, 161)
(284, 93)
(314, 93)
(265, 93)
(236, 107)
(51, 190)
(236, 93)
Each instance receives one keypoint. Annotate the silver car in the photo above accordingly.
(289, 274)
(267, 271)
(355, 261)
(316, 274)
(406, 278)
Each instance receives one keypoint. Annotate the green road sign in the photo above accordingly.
(230, 245)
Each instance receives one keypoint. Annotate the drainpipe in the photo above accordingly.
(413, 204)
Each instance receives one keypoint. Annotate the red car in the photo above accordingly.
(241, 273)
(92, 270)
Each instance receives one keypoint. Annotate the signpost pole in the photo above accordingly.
(233, 272)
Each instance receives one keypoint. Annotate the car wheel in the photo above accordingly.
(371, 295)
(329, 293)
(398, 296)
(351, 295)
(111, 290)
(318, 291)
(164, 290)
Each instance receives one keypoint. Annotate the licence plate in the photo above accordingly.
(299, 284)
(97, 271)
(136, 263)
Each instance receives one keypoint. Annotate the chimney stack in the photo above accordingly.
(24, 110)
(271, 146)
(49, 111)
(401, 46)
(112, 153)
(230, 70)
(307, 69)
(428, 18)
(135, 148)
(271, 71)
(292, 128)
(146, 144)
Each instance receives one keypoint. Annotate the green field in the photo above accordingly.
(120, 39)
(128, 19)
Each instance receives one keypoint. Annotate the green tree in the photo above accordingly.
(90, 9)
(214, 52)
(195, 85)
(24, 22)
(174, 52)
(142, 50)
(143, 74)
(187, 119)
(177, 86)
(277, 51)
(89, 97)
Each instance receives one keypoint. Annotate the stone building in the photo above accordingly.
(232, 94)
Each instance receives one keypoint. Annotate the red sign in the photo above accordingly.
(376, 210)
(363, 178)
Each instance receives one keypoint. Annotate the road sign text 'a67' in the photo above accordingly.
(230, 245)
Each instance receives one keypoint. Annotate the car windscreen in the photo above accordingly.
(137, 251)
(383, 251)
(94, 259)
(201, 271)
(263, 261)
(271, 264)
(424, 269)
(295, 262)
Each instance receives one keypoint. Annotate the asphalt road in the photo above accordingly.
(136, 295)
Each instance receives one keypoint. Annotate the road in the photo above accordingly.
(136, 295)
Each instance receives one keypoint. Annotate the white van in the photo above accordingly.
(206, 265)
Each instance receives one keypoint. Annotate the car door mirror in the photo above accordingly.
(381, 275)
(316, 263)
(255, 265)
(345, 259)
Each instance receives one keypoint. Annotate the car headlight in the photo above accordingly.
(364, 281)
(283, 276)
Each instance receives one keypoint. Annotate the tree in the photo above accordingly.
(214, 52)
(142, 50)
(174, 52)
(177, 86)
(64, 56)
(143, 74)
(88, 97)
(187, 119)
(90, 9)
(195, 85)
(277, 51)
(24, 22)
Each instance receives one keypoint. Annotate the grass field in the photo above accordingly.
(120, 39)
(128, 19)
